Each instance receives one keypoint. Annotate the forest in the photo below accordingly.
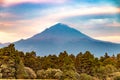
(16, 64)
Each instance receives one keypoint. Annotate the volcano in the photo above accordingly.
(60, 37)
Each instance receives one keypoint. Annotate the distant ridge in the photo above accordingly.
(60, 37)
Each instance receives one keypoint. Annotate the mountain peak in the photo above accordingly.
(59, 26)
(60, 31)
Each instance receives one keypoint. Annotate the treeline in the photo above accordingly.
(83, 66)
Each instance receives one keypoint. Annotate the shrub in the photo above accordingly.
(69, 75)
(110, 69)
(84, 76)
(100, 73)
(117, 78)
(31, 74)
(49, 74)
(41, 74)
(58, 74)
(20, 72)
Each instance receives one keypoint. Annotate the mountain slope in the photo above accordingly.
(1, 45)
(59, 32)
(61, 37)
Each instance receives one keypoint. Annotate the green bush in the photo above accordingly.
(69, 75)
(20, 72)
(100, 72)
(31, 74)
(41, 74)
(117, 78)
(110, 69)
(84, 76)
(58, 74)
(49, 74)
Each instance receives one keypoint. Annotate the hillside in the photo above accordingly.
(16, 64)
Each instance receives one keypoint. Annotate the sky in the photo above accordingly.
(21, 19)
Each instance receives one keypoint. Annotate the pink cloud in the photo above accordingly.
(114, 24)
(109, 38)
(13, 2)
(71, 12)
(35, 25)
(7, 15)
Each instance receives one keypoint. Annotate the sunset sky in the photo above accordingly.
(21, 19)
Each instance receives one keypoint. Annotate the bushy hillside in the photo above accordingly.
(16, 64)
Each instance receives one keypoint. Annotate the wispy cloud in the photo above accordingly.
(56, 15)
(71, 12)
(14, 21)
(113, 24)
(14, 2)
(6, 38)
(7, 15)
(109, 38)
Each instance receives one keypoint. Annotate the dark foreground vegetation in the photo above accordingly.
(15, 64)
